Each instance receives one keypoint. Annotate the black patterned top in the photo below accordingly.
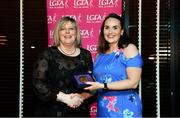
(53, 72)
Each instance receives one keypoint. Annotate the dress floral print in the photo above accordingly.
(111, 105)
(110, 68)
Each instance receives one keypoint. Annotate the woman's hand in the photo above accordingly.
(94, 86)
(73, 100)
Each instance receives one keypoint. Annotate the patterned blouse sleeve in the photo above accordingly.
(135, 61)
(40, 78)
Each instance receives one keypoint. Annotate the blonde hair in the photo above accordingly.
(59, 25)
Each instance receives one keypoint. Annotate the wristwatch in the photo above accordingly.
(105, 86)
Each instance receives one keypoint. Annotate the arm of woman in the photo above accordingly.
(40, 83)
(133, 73)
(132, 81)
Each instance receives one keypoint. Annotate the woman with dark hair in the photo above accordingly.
(117, 70)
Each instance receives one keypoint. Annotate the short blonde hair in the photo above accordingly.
(59, 25)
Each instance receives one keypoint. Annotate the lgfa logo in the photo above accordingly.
(87, 33)
(95, 18)
(51, 34)
(77, 18)
(51, 19)
(58, 4)
(92, 48)
(83, 3)
(108, 3)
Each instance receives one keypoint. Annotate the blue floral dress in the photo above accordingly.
(123, 103)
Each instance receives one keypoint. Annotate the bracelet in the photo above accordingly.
(105, 86)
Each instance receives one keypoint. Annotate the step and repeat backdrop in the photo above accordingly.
(89, 14)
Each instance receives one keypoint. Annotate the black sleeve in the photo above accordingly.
(40, 81)
(89, 61)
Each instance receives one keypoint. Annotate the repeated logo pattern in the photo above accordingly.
(89, 14)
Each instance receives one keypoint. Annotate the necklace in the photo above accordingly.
(72, 52)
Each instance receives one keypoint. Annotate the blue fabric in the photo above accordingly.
(110, 68)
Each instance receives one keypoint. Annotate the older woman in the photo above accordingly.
(54, 70)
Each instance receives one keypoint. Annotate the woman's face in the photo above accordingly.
(67, 34)
(112, 30)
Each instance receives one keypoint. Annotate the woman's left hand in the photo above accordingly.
(94, 86)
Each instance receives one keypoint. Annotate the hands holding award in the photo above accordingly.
(73, 100)
(81, 79)
(94, 86)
